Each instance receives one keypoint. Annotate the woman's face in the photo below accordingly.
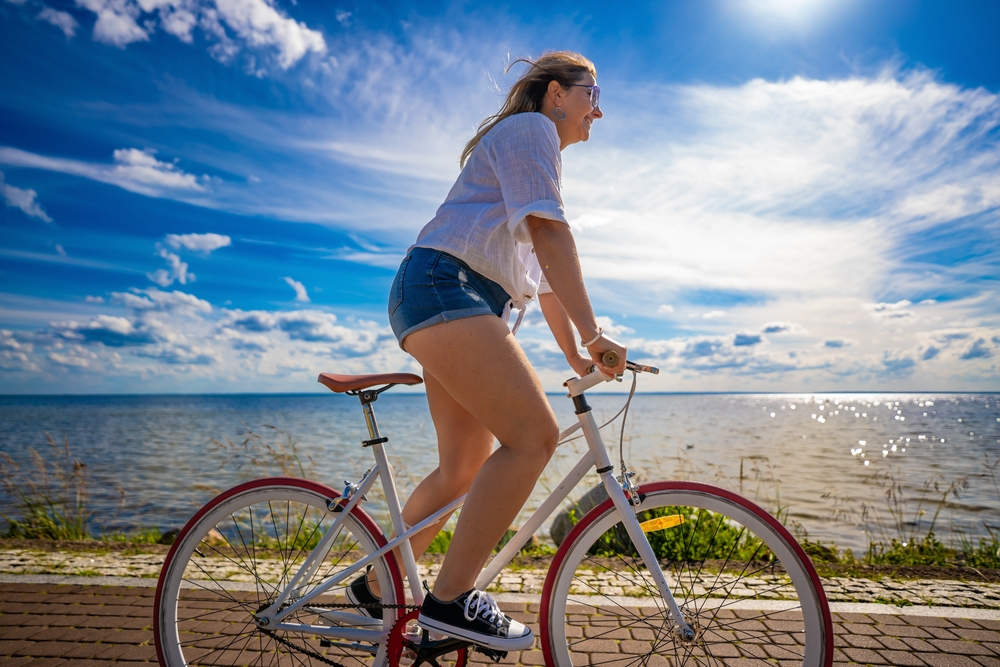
(580, 113)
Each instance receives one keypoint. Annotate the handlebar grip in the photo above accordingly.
(610, 358)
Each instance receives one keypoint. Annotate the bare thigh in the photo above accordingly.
(483, 370)
(464, 442)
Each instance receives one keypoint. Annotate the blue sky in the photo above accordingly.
(212, 195)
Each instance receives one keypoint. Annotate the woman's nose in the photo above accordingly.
(597, 112)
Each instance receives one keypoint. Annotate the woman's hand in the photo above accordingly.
(602, 345)
(579, 363)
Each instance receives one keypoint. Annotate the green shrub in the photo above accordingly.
(986, 554)
(440, 543)
(819, 552)
(920, 551)
(704, 535)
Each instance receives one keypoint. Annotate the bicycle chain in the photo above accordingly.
(323, 658)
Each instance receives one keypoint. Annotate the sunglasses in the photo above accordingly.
(595, 93)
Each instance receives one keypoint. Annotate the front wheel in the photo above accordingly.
(236, 555)
(743, 584)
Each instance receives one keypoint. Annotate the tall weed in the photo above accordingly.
(49, 497)
(273, 453)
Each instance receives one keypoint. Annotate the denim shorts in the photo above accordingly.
(432, 286)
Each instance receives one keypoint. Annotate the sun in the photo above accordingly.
(794, 14)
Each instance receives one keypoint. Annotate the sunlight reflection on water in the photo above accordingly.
(816, 454)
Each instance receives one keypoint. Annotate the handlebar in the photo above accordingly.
(610, 358)
(577, 386)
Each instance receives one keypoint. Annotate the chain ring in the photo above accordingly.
(414, 609)
(397, 641)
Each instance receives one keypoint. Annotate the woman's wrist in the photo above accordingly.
(594, 339)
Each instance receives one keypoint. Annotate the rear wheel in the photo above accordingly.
(233, 559)
(741, 581)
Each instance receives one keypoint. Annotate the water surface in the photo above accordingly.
(825, 459)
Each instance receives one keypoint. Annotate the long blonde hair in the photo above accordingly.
(528, 92)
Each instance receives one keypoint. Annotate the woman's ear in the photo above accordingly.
(555, 92)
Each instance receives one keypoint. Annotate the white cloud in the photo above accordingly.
(69, 360)
(301, 294)
(62, 20)
(176, 270)
(797, 186)
(890, 311)
(141, 167)
(231, 25)
(713, 314)
(154, 299)
(134, 170)
(612, 328)
(204, 243)
(22, 199)
(116, 21)
(665, 309)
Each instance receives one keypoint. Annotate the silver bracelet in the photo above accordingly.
(600, 332)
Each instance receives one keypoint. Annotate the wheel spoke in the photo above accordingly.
(261, 535)
(728, 555)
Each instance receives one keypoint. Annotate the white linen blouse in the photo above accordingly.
(515, 171)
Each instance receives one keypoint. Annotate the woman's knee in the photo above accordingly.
(550, 439)
(539, 438)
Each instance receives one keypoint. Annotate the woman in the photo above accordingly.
(501, 227)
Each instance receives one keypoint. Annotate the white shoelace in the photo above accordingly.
(481, 604)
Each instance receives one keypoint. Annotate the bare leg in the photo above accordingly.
(485, 373)
(463, 445)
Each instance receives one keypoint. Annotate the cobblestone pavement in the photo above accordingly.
(945, 593)
(87, 625)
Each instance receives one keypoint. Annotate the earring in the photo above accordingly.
(559, 113)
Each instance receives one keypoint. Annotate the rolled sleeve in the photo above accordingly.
(526, 160)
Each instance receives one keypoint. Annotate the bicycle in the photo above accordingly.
(673, 572)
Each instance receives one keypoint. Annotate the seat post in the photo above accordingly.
(368, 397)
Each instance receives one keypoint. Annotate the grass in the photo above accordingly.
(273, 453)
(49, 495)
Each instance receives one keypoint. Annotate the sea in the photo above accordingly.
(846, 468)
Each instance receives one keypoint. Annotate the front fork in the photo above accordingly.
(626, 498)
(620, 494)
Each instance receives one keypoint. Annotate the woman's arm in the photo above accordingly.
(562, 329)
(555, 250)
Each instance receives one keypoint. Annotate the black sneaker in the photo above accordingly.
(475, 617)
(359, 593)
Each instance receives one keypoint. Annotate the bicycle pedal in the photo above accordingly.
(492, 654)
(325, 643)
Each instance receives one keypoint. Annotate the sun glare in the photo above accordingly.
(795, 14)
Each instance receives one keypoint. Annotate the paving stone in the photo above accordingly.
(919, 645)
(67, 622)
(978, 635)
(861, 641)
(960, 647)
(902, 658)
(943, 660)
(864, 656)
(894, 644)
(860, 629)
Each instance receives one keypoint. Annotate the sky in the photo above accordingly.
(213, 195)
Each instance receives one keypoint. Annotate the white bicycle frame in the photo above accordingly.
(596, 456)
